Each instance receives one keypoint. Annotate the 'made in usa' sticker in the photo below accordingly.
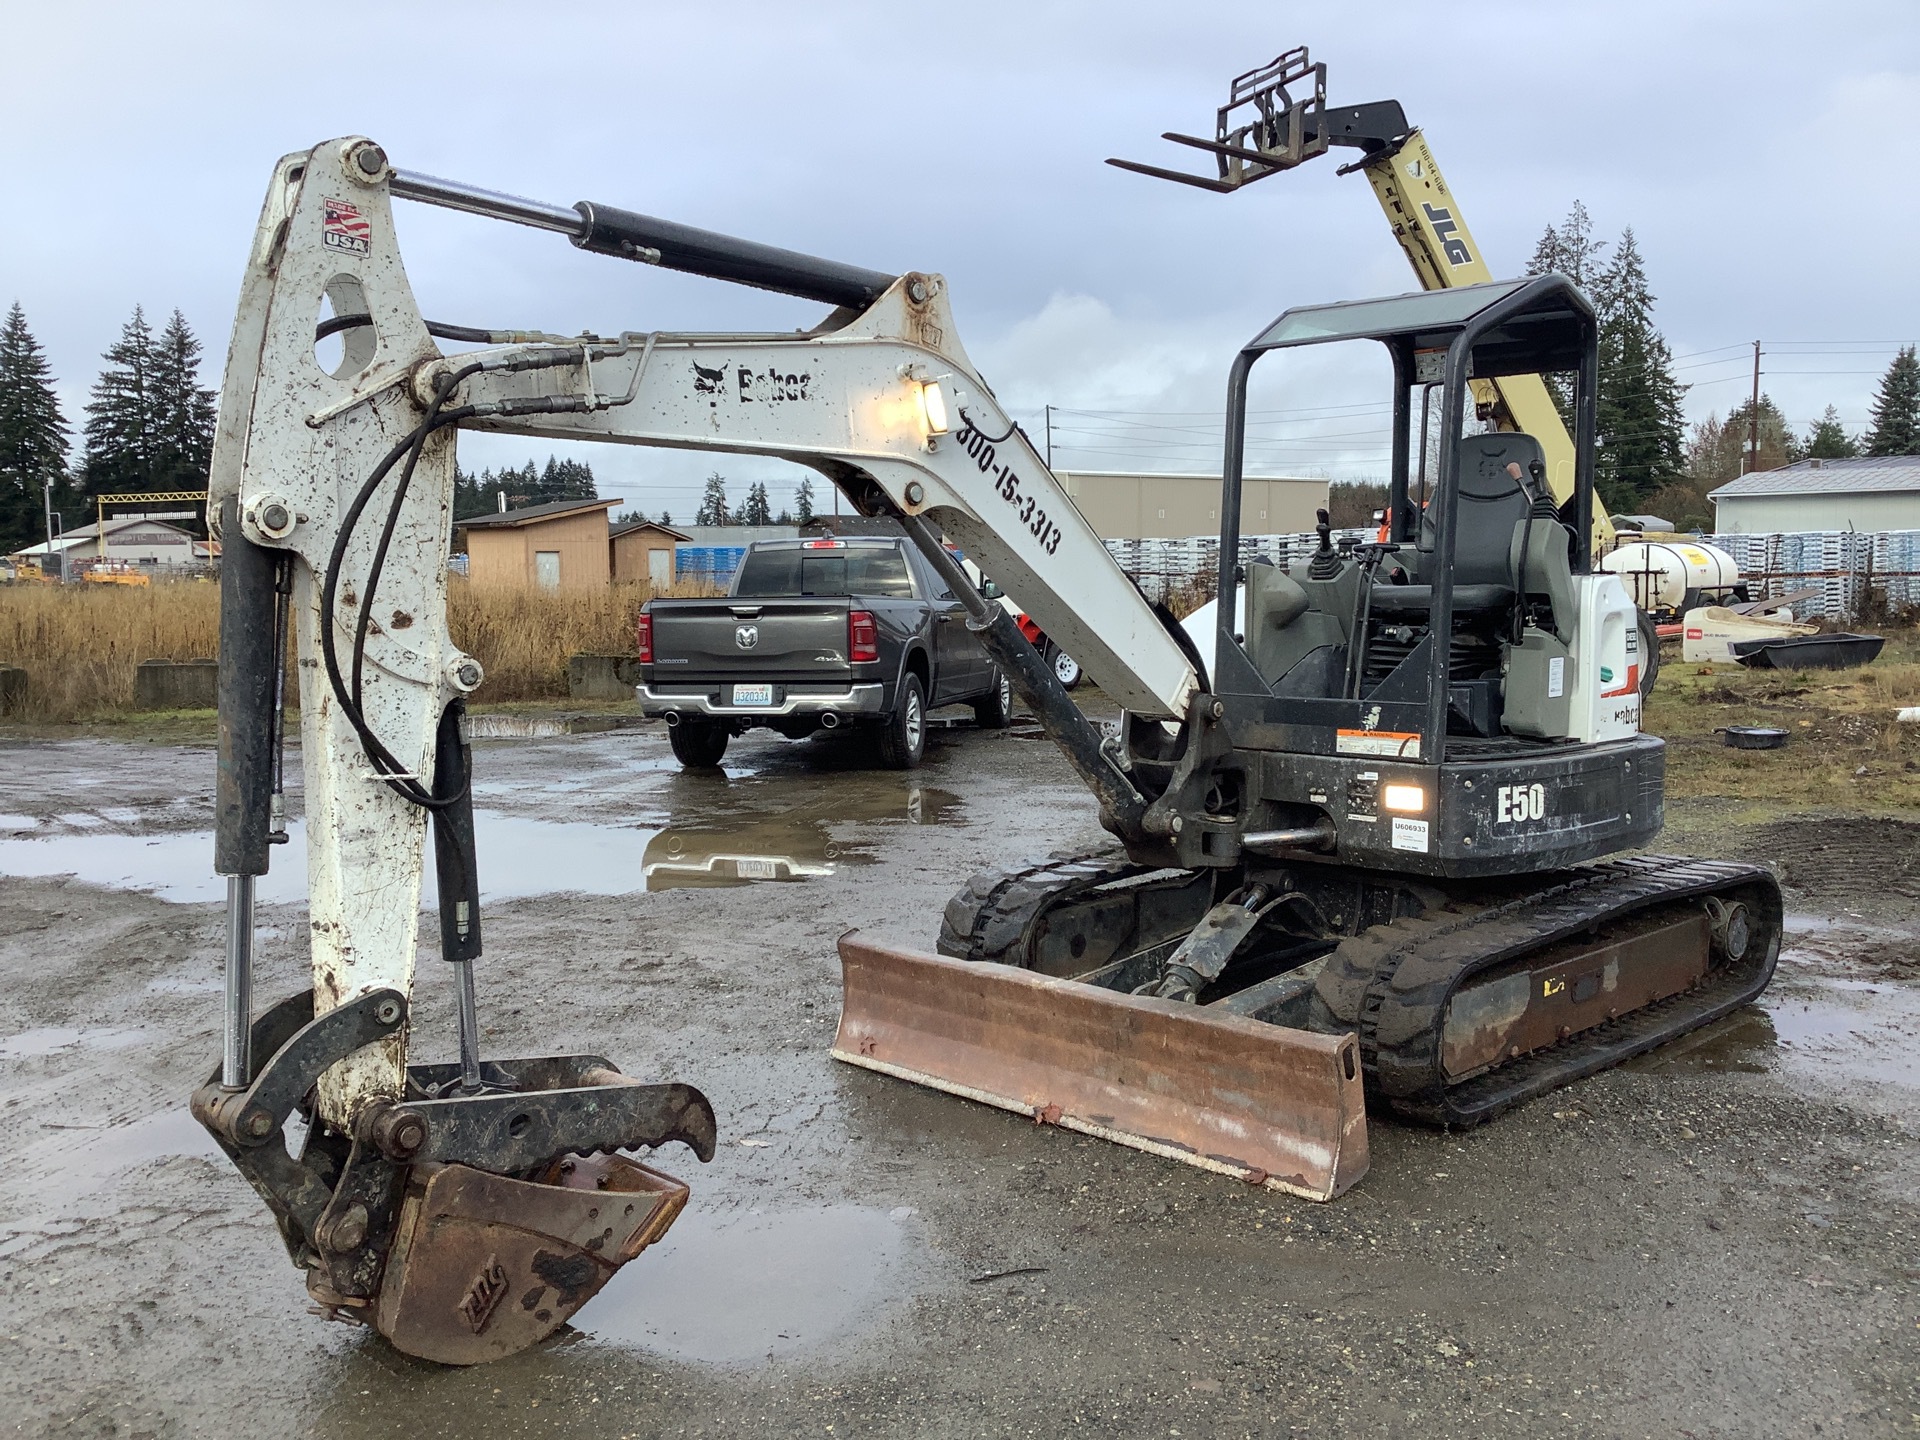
(343, 227)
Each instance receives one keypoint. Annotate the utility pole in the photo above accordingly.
(1049, 437)
(47, 495)
(1753, 416)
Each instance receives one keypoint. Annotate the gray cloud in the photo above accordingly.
(1751, 146)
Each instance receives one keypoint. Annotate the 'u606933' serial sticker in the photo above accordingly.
(1409, 834)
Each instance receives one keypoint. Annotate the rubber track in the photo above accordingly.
(1393, 982)
(995, 916)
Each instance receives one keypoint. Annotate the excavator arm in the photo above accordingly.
(458, 1208)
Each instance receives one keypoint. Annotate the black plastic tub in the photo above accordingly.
(1753, 737)
(1808, 652)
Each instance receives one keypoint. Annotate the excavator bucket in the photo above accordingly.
(1274, 1106)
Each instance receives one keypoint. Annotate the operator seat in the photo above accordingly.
(1492, 503)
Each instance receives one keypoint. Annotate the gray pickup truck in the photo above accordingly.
(817, 634)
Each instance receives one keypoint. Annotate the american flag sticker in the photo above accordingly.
(345, 228)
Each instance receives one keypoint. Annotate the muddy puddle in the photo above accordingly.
(529, 857)
(730, 844)
(82, 1157)
(1828, 1032)
(703, 830)
(740, 1289)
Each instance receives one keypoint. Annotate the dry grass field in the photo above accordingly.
(80, 643)
(1846, 752)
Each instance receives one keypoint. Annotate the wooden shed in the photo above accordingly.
(643, 550)
(561, 545)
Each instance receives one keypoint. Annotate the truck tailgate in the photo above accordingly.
(797, 639)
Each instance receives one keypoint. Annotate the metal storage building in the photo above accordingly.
(1870, 493)
(1139, 505)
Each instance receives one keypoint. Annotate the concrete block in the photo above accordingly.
(602, 677)
(13, 689)
(186, 685)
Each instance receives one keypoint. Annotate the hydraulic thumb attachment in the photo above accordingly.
(434, 1211)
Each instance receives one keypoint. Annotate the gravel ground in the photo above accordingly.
(1719, 1240)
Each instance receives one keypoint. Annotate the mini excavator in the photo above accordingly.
(1354, 847)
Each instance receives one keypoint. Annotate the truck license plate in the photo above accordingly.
(752, 867)
(753, 694)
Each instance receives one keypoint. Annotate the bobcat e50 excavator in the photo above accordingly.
(1354, 839)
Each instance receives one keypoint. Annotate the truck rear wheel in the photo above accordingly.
(698, 744)
(903, 739)
(994, 710)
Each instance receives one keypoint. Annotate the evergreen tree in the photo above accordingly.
(803, 500)
(1568, 249)
(756, 510)
(565, 480)
(476, 495)
(1828, 440)
(713, 502)
(1896, 409)
(1640, 423)
(182, 411)
(785, 517)
(666, 517)
(33, 437)
(121, 443)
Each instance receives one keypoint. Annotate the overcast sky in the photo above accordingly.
(1754, 148)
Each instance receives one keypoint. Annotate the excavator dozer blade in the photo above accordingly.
(1274, 1106)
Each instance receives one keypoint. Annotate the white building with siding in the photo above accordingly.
(136, 539)
(1878, 493)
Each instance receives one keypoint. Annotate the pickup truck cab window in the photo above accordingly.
(856, 570)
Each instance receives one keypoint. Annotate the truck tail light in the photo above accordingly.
(643, 634)
(863, 641)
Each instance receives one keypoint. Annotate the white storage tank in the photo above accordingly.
(1672, 574)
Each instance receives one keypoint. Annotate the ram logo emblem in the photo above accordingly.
(746, 636)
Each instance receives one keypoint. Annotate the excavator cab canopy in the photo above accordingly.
(1450, 536)
(1537, 326)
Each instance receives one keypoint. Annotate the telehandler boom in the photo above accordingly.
(1263, 130)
